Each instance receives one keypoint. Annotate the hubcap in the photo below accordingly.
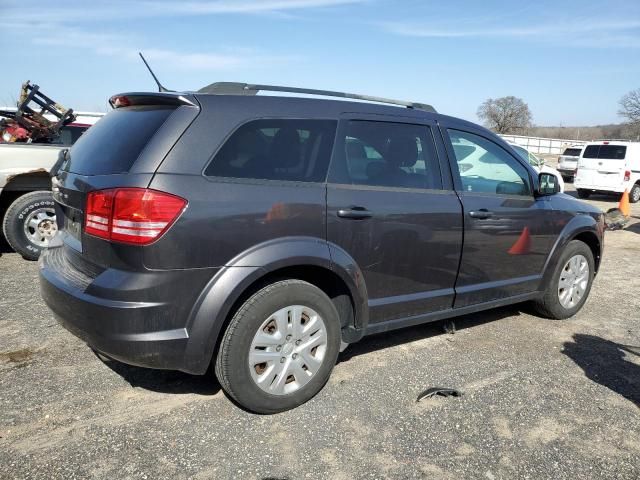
(40, 226)
(635, 194)
(288, 350)
(573, 282)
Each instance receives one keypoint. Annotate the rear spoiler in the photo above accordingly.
(151, 98)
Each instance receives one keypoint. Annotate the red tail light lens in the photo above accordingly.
(137, 216)
(627, 176)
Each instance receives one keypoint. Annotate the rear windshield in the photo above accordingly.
(572, 152)
(114, 143)
(607, 152)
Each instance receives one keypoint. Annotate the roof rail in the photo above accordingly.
(233, 88)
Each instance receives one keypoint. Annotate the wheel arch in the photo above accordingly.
(17, 185)
(584, 228)
(303, 258)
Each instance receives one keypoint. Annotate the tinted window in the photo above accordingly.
(386, 154)
(606, 152)
(572, 152)
(295, 150)
(114, 143)
(486, 167)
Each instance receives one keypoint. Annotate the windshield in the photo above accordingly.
(606, 152)
(572, 152)
(527, 156)
(114, 143)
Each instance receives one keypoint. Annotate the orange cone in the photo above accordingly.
(624, 204)
(523, 244)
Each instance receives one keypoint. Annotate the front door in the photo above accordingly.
(508, 232)
(387, 208)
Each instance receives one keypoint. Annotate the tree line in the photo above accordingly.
(511, 115)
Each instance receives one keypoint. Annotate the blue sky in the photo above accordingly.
(570, 60)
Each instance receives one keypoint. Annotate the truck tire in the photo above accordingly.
(280, 347)
(30, 223)
(634, 194)
(570, 284)
(582, 193)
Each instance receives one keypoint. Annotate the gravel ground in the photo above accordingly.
(542, 399)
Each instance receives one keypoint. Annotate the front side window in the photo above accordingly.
(386, 154)
(485, 167)
(277, 149)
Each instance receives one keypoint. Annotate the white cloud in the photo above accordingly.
(573, 32)
(75, 11)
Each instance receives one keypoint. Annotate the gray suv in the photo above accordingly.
(261, 235)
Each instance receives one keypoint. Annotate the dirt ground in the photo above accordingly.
(542, 399)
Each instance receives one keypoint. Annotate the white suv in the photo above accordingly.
(568, 161)
(537, 163)
(609, 166)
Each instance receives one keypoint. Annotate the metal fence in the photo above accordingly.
(542, 145)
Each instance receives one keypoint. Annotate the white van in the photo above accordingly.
(609, 166)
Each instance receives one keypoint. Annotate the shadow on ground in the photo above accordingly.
(419, 332)
(634, 227)
(164, 381)
(607, 363)
(4, 246)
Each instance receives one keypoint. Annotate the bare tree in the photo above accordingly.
(505, 115)
(630, 109)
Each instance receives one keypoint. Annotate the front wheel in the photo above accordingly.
(30, 223)
(634, 194)
(280, 347)
(570, 284)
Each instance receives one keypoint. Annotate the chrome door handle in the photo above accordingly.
(481, 214)
(354, 213)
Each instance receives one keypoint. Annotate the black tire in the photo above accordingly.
(549, 305)
(232, 368)
(582, 193)
(13, 225)
(634, 194)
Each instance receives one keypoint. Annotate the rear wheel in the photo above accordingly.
(570, 285)
(30, 223)
(582, 193)
(280, 347)
(634, 194)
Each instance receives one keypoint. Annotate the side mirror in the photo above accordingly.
(548, 184)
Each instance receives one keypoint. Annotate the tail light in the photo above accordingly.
(136, 216)
(627, 176)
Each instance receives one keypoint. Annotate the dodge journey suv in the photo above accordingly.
(260, 235)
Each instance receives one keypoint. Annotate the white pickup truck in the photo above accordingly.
(26, 206)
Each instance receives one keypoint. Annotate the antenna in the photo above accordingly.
(160, 86)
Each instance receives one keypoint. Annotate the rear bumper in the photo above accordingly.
(146, 332)
(598, 188)
(567, 170)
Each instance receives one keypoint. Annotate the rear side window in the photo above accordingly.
(114, 143)
(386, 154)
(572, 152)
(606, 152)
(276, 149)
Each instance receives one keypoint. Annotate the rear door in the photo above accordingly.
(507, 231)
(602, 166)
(390, 210)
